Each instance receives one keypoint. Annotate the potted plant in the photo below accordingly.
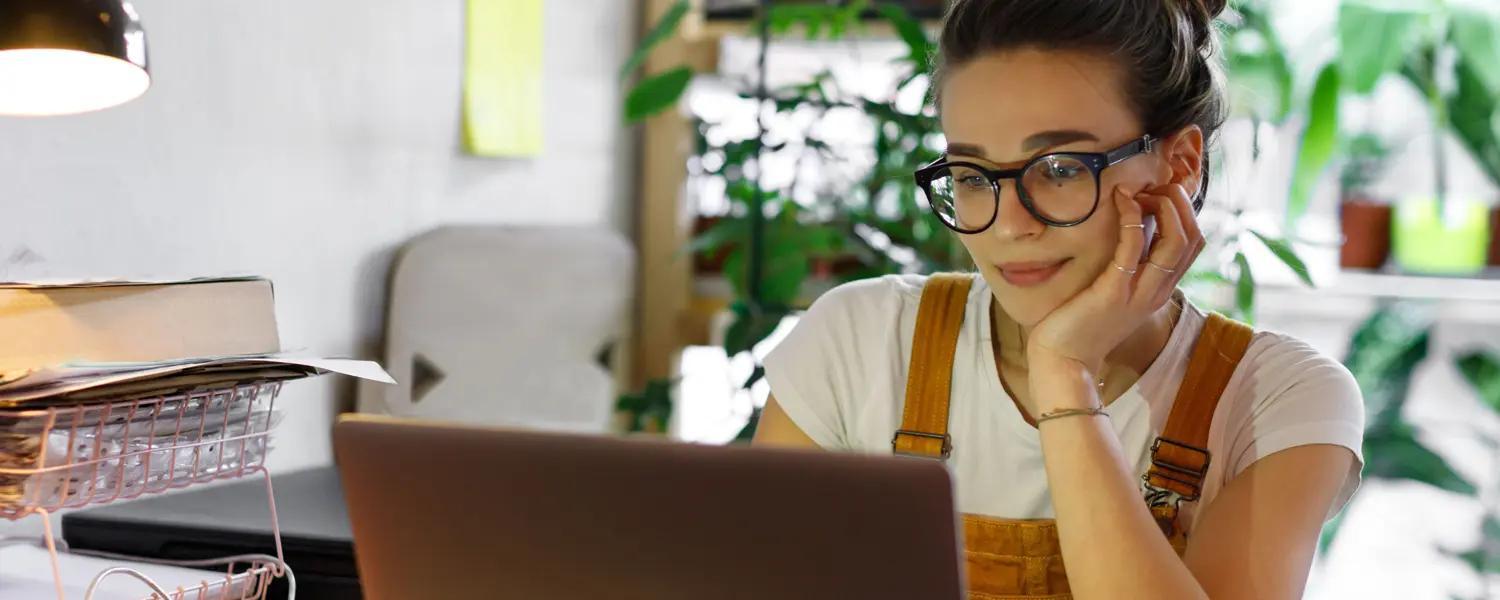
(1447, 52)
(1364, 218)
(1447, 232)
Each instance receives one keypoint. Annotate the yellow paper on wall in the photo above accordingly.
(502, 111)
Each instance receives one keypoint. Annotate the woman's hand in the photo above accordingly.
(1085, 329)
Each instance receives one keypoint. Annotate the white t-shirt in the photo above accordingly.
(841, 377)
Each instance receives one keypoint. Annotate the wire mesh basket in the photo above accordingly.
(80, 455)
(74, 456)
(242, 578)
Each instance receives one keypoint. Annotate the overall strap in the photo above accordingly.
(940, 316)
(1180, 456)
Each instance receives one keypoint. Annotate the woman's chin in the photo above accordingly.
(1029, 305)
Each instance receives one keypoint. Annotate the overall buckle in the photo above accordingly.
(945, 438)
(1192, 478)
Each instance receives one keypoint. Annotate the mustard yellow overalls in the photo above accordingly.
(1021, 558)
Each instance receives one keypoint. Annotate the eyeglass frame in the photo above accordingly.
(1096, 162)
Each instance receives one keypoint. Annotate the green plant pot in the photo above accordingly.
(1426, 242)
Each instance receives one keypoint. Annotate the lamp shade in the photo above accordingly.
(62, 57)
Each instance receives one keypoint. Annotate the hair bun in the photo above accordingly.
(1202, 14)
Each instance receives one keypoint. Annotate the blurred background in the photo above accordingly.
(1353, 207)
(599, 215)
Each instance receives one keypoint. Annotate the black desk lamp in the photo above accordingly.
(62, 57)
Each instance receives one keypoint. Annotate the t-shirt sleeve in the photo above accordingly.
(814, 372)
(1301, 397)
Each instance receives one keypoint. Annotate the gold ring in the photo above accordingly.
(1124, 270)
(1161, 268)
(1133, 226)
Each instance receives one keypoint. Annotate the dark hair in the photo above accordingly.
(1165, 47)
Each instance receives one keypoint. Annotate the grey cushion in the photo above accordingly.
(499, 325)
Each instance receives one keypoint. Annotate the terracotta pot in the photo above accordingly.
(836, 266)
(711, 262)
(1495, 236)
(1366, 226)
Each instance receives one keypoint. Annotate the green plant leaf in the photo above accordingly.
(750, 326)
(783, 270)
(1474, 115)
(1318, 141)
(657, 93)
(1489, 545)
(755, 376)
(919, 48)
(1383, 353)
(747, 433)
(1476, 34)
(726, 232)
(1206, 276)
(1260, 76)
(1374, 39)
(664, 27)
(813, 17)
(846, 18)
(786, 269)
(649, 409)
(1477, 558)
(1245, 288)
(1396, 453)
(1289, 257)
(1482, 370)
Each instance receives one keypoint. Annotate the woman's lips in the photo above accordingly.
(1027, 274)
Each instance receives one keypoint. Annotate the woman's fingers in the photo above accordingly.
(1164, 265)
(1132, 241)
(1183, 201)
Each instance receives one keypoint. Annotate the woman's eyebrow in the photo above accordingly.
(1052, 139)
(974, 150)
(1037, 141)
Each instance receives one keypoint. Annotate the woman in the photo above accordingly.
(1075, 128)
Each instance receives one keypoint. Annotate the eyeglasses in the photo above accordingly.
(1059, 189)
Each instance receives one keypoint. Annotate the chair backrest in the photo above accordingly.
(504, 325)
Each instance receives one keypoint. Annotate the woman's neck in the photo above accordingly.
(1128, 360)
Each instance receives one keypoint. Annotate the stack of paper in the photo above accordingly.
(81, 382)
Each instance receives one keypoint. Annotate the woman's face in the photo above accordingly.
(1004, 108)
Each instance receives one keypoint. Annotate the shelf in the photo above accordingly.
(1377, 284)
(1352, 294)
(1474, 299)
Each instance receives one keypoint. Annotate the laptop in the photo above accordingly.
(448, 511)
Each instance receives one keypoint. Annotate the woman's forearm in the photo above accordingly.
(1110, 543)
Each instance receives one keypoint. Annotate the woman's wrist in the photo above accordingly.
(1060, 382)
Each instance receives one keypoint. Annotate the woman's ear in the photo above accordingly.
(1183, 154)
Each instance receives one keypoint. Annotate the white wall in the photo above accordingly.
(305, 141)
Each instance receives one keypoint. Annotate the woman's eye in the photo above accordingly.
(1062, 171)
(974, 181)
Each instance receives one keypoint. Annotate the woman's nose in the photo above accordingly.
(1012, 220)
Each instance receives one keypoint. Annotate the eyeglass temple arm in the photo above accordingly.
(1140, 146)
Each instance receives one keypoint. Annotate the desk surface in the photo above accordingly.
(309, 504)
(232, 519)
(26, 572)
